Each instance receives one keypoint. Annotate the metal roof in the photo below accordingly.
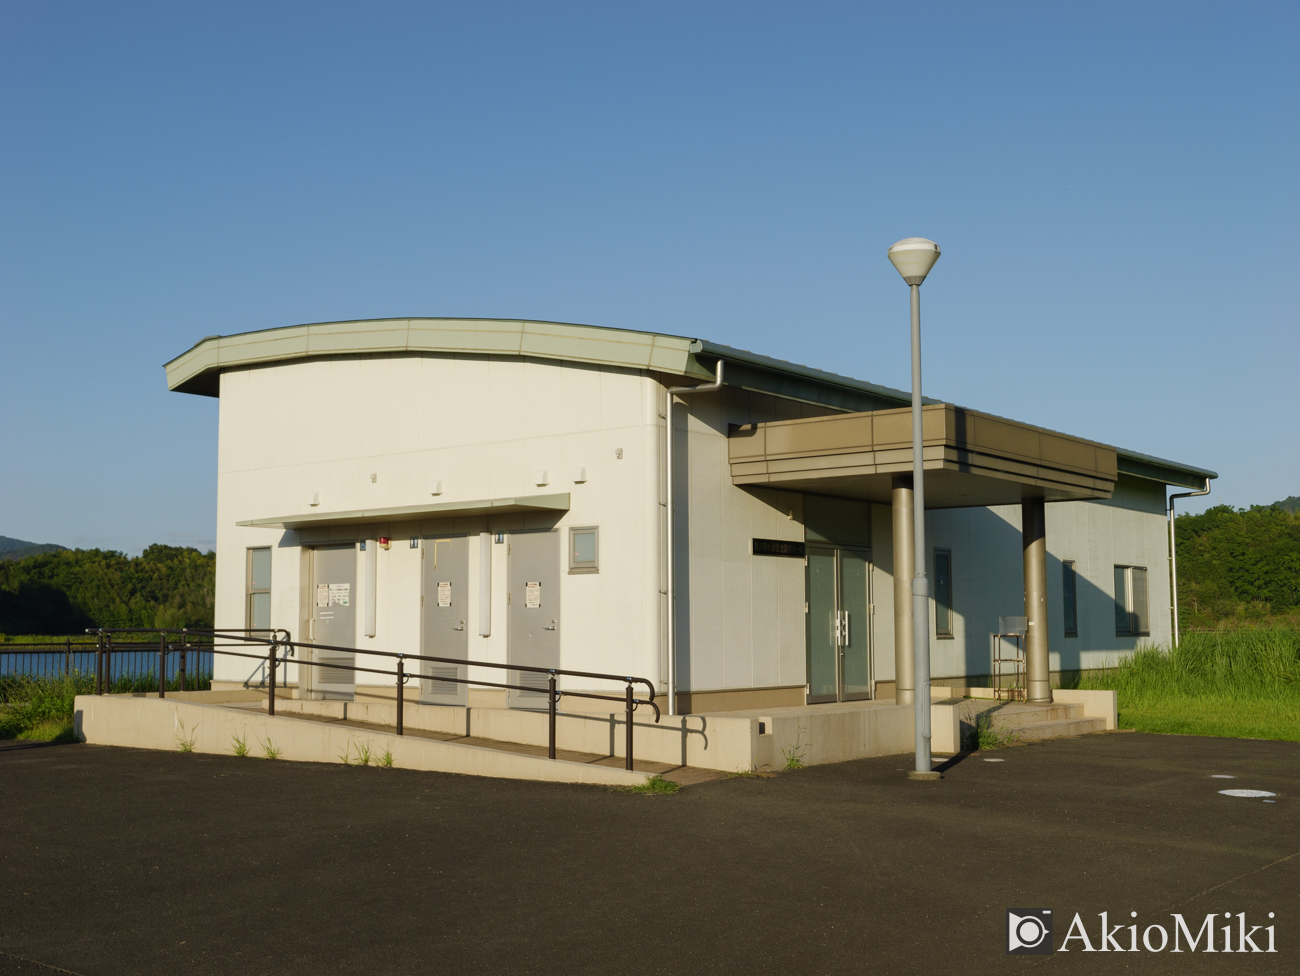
(197, 370)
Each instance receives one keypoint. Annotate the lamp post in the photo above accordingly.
(913, 258)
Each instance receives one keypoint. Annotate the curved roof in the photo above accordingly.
(198, 369)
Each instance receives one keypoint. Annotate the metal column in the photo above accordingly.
(904, 568)
(1034, 541)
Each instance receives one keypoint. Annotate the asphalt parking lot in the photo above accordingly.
(127, 861)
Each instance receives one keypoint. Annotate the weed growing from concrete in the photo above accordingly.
(270, 751)
(654, 786)
(363, 754)
(793, 758)
(238, 746)
(185, 743)
(989, 737)
(386, 760)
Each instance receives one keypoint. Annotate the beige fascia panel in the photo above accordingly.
(190, 372)
(486, 506)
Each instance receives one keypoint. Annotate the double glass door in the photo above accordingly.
(839, 623)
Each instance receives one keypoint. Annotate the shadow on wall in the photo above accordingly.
(1002, 594)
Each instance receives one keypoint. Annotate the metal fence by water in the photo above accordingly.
(128, 663)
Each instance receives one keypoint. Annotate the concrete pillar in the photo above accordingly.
(904, 570)
(1033, 527)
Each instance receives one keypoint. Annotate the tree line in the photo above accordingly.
(66, 592)
(1239, 565)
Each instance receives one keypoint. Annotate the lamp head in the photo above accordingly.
(913, 257)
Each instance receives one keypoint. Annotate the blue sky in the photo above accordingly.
(1113, 185)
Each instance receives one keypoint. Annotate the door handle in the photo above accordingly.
(552, 627)
(461, 627)
(846, 628)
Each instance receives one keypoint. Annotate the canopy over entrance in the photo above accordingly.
(970, 458)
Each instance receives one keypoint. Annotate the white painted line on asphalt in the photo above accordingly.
(995, 760)
(1252, 793)
(1221, 776)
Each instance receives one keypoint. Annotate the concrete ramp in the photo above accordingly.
(217, 729)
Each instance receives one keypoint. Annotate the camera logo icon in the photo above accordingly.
(1029, 932)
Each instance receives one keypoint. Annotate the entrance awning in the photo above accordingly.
(487, 506)
(970, 458)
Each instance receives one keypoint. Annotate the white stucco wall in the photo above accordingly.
(481, 426)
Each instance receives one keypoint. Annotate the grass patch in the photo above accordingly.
(53, 730)
(238, 746)
(31, 704)
(1237, 684)
(655, 785)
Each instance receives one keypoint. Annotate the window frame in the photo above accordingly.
(584, 568)
(1136, 627)
(943, 633)
(1070, 597)
(250, 591)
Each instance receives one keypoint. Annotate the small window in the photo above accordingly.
(942, 593)
(1132, 618)
(258, 606)
(584, 550)
(1069, 597)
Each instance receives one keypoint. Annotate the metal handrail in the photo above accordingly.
(629, 700)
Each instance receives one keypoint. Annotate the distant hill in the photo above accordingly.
(1291, 504)
(20, 549)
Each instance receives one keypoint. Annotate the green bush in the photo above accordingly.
(29, 704)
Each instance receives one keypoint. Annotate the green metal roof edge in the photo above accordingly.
(197, 369)
(1164, 471)
(807, 380)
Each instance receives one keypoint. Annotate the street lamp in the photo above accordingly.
(913, 258)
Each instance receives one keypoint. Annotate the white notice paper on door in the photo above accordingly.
(322, 594)
(532, 595)
(339, 593)
(444, 594)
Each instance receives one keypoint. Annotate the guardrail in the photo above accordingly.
(279, 647)
(132, 662)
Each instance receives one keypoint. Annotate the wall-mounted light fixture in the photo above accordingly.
(415, 543)
(385, 543)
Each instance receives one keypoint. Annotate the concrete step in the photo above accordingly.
(1016, 714)
(1036, 731)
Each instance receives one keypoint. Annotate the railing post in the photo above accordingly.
(401, 691)
(67, 662)
(99, 664)
(628, 748)
(162, 665)
(270, 702)
(550, 751)
(180, 674)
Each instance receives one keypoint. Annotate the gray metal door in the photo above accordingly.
(533, 598)
(446, 616)
(334, 619)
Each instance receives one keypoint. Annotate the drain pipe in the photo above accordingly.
(1173, 554)
(673, 392)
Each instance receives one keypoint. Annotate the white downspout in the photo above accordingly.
(673, 392)
(1173, 554)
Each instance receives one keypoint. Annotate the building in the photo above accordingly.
(497, 491)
